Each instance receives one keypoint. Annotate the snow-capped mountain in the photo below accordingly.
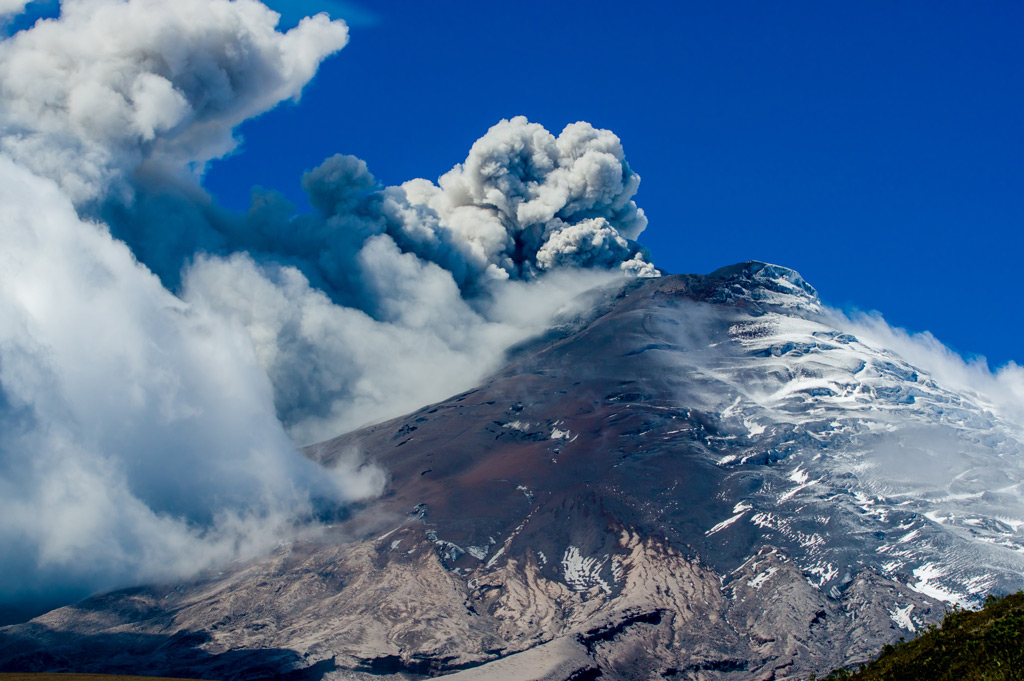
(695, 477)
(927, 479)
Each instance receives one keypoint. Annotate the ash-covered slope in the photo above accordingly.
(699, 478)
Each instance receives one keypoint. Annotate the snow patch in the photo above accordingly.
(1015, 523)
(478, 552)
(890, 567)
(739, 509)
(722, 525)
(802, 480)
(927, 576)
(731, 408)
(448, 551)
(526, 492)
(825, 572)
(901, 616)
(388, 534)
(909, 536)
(758, 581)
(582, 573)
(495, 557)
(753, 428)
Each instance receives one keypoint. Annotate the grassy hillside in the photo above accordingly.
(986, 645)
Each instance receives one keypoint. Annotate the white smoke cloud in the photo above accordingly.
(112, 86)
(336, 368)
(12, 7)
(160, 357)
(414, 267)
(1003, 388)
(525, 202)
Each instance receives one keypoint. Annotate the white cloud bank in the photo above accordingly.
(137, 436)
(138, 439)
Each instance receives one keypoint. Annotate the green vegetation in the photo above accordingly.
(983, 645)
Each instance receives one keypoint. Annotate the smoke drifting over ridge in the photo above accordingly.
(427, 271)
(160, 357)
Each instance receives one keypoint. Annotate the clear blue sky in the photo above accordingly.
(876, 147)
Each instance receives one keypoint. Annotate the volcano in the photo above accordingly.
(687, 477)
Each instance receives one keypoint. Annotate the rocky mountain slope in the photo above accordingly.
(699, 477)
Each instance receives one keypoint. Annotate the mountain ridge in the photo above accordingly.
(686, 477)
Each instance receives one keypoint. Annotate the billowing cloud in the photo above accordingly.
(137, 436)
(11, 7)
(161, 357)
(525, 202)
(354, 14)
(112, 88)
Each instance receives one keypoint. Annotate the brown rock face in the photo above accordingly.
(661, 487)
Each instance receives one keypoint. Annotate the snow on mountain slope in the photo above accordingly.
(929, 479)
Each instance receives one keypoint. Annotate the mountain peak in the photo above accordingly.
(757, 286)
(765, 283)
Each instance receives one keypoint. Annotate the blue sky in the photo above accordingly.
(876, 147)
